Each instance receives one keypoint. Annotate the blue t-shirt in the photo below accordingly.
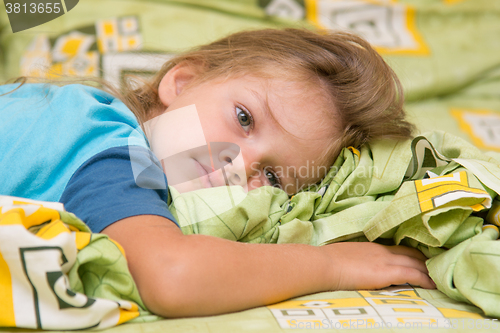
(80, 146)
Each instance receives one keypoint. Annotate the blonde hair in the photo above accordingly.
(366, 95)
(364, 90)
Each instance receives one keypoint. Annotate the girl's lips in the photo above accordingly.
(203, 174)
(209, 177)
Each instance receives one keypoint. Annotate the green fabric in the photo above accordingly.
(380, 196)
(101, 271)
(163, 27)
(461, 37)
(468, 272)
(455, 70)
(261, 319)
(454, 43)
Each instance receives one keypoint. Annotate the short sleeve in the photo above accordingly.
(117, 183)
(49, 132)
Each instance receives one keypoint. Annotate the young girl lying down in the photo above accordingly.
(269, 99)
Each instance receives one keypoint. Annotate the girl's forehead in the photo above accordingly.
(308, 93)
(305, 131)
(300, 109)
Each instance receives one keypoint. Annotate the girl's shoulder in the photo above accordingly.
(48, 90)
(66, 97)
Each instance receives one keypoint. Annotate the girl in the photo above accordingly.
(282, 97)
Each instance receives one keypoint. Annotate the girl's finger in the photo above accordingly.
(412, 276)
(407, 251)
(410, 262)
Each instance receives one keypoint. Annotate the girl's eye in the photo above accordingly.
(272, 178)
(244, 118)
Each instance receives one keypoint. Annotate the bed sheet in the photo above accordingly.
(446, 53)
(396, 308)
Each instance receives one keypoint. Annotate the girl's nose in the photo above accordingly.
(227, 156)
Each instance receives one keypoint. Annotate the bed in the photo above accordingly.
(447, 55)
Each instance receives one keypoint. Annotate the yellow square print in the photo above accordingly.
(398, 302)
(438, 191)
(321, 303)
(408, 310)
(407, 294)
(482, 126)
(388, 25)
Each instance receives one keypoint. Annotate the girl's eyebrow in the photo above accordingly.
(264, 103)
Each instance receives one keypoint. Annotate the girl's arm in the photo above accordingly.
(194, 275)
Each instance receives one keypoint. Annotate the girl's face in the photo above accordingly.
(245, 131)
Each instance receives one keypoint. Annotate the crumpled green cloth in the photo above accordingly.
(430, 193)
(469, 271)
(57, 275)
(101, 271)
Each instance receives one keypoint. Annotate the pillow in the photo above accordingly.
(436, 48)
(124, 36)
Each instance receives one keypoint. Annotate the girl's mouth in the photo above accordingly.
(204, 174)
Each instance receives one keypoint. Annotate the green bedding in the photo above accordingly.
(426, 193)
(447, 55)
(442, 182)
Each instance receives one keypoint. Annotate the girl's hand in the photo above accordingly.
(363, 265)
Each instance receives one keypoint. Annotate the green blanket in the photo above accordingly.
(447, 55)
(430, 193)
(436, 47)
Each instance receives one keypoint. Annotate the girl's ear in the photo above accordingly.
(174, 82)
